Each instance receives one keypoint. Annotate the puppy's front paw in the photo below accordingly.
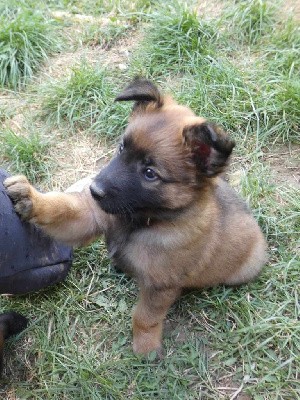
(21, 193)
(146, 342)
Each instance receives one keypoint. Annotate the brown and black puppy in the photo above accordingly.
(11, 323)
(168, 217)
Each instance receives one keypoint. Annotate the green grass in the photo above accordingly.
(251, 20)
(193, 53)
(272, 80)
(5, 113)
(281, 226)
(176, 40)
(283, 50)
(100, 7)
(85, 100)
(77, 100)
(24, 154)
(242, 73)
(278, 83)
(219, 92)
(27, 37)
(108, 35)
(282, 105)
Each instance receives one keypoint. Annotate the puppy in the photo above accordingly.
(168, 217)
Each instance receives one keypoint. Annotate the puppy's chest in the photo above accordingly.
(134, 250)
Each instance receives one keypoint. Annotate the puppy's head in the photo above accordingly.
(166, 157)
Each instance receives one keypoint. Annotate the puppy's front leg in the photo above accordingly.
(148, 317)
(68, 217)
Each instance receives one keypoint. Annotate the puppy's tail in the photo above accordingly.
(11, 323)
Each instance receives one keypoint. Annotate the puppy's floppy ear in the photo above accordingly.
(210, 147)
(142, 92)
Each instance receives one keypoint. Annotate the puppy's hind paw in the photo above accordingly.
(20, 192)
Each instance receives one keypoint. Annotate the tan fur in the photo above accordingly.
(214, 240)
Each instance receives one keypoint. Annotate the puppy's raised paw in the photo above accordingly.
(20, 192)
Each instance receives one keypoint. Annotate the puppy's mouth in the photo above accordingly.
(112, 210)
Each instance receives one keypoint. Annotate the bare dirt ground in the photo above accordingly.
(285, 164)
(115, 57)
(76, 158)
(211, 9)
(292, 7)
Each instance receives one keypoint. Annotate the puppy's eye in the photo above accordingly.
(121, 148)
(150, 175)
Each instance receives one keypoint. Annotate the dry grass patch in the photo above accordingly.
(76, 157)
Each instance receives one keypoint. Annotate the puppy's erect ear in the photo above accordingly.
(210, 147)
(142, 92)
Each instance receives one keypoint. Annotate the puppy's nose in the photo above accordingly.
(97, 191)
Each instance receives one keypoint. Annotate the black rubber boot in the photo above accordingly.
(11, 323)
(29, 259)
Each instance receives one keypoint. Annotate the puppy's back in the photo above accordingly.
(242, 240)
